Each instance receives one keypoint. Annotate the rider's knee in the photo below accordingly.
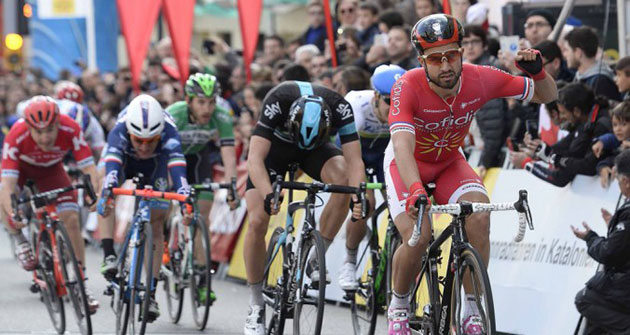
(480, 222)
(257, 226)
(337, 172)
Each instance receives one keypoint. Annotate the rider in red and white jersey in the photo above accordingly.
(430, 114)
(34, 149)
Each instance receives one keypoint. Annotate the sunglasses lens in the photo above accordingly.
(436, 58)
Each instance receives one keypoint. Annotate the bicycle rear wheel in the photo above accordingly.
(363, 306)
(274, 284)
(480, 295)
(172, 275)
(48, 285)
(73, 277)
(200, 276)
(141, 291)
(309, 302)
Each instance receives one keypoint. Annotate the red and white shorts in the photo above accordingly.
(453, 178)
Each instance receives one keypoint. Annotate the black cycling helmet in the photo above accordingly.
(436, 30)
(309, 122)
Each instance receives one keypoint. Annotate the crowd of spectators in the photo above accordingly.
(374, 32)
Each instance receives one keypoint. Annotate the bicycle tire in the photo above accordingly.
(75, 284)
(201, 305)
(120, 300)
(302, 298)
(45, 271)
(364, 315)
(172, 285)
(144, 301)
(274, 285)
(471, 261)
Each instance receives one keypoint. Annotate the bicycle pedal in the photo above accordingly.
(34, 288)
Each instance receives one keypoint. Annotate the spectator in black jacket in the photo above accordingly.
(368, 21)
(316, 32)
(605, 301)
(580, 51)
(492, 117)
(587, 119)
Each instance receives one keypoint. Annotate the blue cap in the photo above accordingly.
(385, 77)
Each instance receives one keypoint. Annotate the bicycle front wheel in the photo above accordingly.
(48, 284)
(479, 297)
(310, 300)
(73, 278)
(172, 274)
(363, 305)
(200, 278)
(140, 293)
(274, 284)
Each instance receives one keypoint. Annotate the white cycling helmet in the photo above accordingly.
(145, 117)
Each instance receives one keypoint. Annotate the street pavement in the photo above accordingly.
(21, 312)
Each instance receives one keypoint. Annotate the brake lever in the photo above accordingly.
(233, 188)
(89, 188)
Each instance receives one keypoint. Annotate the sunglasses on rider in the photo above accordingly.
(150, 140)
(437, 58)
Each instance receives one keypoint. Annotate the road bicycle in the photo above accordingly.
(442, 312)
(288, 290)
(58, 276)
(374, 283)
(180, 268)
(130, 293)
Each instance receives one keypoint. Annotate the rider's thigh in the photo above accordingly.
(335, 171)
(256, 215)
(477, 222)
(70, 218)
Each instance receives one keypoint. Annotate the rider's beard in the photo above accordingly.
(447, 80)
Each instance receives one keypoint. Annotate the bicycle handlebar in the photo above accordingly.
(467, 208)
(148, 193)
(211, 187)
(43, 198)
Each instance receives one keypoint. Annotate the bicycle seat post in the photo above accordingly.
(293, 167)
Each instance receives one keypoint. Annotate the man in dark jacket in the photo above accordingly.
(316, 32)
(605, 301)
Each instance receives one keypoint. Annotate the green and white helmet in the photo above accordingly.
(202, 85)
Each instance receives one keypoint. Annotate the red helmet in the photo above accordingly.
(41, 111)
(436, 30)
(69, 90)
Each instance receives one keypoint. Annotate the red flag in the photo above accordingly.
(329, 30)
(446, 6)
(249, 12)
(180, 15)
(137, 19)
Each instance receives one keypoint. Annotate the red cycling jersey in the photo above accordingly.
(441, 125)
(19, 148)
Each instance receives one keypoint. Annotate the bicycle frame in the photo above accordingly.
(440, 304)
(47, 218)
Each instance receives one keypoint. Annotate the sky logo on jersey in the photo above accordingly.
(272, 110)
(344, 110)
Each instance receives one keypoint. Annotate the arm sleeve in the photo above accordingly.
(176, 160)
(271, 116)
(226, 129)
(114, 156)
(10, 154)
(403, 103)
(610, 141)
(500, 84)
(80, 149)
(343, 119)
(557, 177)
(614, 249)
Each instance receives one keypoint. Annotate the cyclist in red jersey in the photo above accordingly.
(34, 149)
(430, 114)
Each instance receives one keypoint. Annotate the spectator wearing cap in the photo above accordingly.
(553, 62)
(622, 77)
(491, 118)
(368, 22)
(580, 51)
(538, 25)
(316, 32)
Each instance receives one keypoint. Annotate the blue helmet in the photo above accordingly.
(385, 77)
(309, 122)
